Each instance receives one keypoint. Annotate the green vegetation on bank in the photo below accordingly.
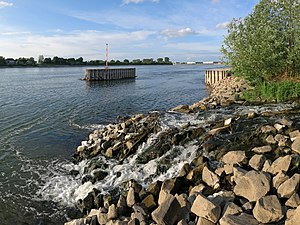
(274, 91)
(264, 48)
(59, 61)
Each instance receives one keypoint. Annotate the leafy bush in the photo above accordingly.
(274, 91)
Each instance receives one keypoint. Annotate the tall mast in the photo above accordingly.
(106, 64)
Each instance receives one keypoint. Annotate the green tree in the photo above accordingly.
(2, 61)
(263, 45)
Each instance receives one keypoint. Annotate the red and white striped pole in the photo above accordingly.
(106, 64)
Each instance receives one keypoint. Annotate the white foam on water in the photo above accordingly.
(62, 187)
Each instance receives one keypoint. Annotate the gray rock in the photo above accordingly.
(204, 221)
(76, 222)
(286, 122)
(166, 213)
(293, 218)
(271, 140)
(279, 127)
(253, 185)
(279, 179)
(181, 108)
(296, 145)
(257, 162)
(231, 209)
(267, 129)
(209, 177)
(293, 135)
(149, 202)
(267, 165)
(131, 197)
(112, 212)
(170, 186)
(195, 175)
(289, 187)
(154, 188)
(282, 140)
(262, 149)
(234, 157)
(293, 201)
(102, 218)
(185, 169)
(238, 219)
(280, 164)
(122, 207)
(247, 207)
(268, 209)
(227, 122)
(205, 208)
(134, 221)
(182, 222)
(197, 189)
(238, 173)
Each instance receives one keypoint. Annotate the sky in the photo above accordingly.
(183, 30)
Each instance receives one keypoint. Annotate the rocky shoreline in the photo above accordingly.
(246, 170)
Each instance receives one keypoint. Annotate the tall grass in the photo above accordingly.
(274, 92)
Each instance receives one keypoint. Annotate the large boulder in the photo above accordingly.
(170, 186)
(279, 179)
(293, 201)
(280, 164)
(204, 221)
(234, 157)
(181, 108)
(76, 222)
(131, 197)
(257, 162)
(289, 187)
(166, 213)
(203, 207)
(253, 185)
(294, 134)
(231, 208)
(268, 209)
(238, 219)
(209, 177)
(262, 149)
(293, 218)
(296, 145)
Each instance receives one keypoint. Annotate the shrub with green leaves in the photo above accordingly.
(265, 44)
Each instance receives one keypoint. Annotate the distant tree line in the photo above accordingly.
(59, 61)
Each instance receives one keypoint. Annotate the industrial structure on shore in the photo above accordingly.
(108, 73)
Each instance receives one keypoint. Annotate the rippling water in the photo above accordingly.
(46, 112)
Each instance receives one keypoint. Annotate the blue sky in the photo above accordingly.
(184, 30)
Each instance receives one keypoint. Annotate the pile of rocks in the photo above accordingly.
(223, 93)
(256, 185)
(119, 140)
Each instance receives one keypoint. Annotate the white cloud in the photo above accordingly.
(126, 2)
(223, 25)
(88, 43)
(5, 4)
(178, 33)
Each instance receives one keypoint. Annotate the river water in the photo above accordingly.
(46, 112)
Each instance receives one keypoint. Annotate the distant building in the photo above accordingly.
(41, 59)
(10, 62)
(148, 61)
(208, 63)
(191, 63)
(136, 61)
